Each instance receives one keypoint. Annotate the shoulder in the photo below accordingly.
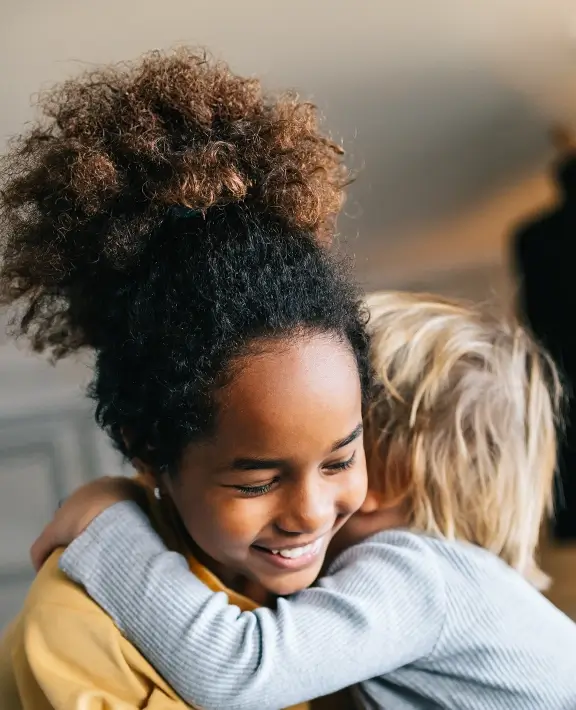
(51, 586)
(408, 559)
(396, 581)
(60, 623)
(393, 545)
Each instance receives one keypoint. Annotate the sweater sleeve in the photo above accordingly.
(381, 607)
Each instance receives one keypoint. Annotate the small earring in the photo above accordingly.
(157, 493)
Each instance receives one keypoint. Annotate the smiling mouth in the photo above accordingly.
(293, 557)
(295, 552)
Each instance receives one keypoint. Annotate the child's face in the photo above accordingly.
(285, 468)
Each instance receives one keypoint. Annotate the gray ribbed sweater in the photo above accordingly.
(417, 622)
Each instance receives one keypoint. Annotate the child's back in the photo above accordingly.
(500, 646)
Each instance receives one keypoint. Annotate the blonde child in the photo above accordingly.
(432, 603)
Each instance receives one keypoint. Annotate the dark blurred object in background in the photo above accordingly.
(544, 258)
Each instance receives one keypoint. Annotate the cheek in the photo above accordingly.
(355, 488)
(223, 526)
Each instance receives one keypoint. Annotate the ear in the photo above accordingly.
(385, 495)
(372, 503)
(145, 473)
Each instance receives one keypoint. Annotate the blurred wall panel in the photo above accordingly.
(49, 444)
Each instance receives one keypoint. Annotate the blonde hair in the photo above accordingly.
(463, 424)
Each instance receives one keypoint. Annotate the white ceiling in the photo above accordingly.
(441, 103)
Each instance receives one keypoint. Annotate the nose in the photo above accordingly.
(308, 507)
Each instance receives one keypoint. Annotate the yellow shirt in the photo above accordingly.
(64, 653)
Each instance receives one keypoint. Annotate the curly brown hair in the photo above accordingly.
(166, 213)
(121, 144)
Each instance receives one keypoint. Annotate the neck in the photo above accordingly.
(236, 582)
(230, 578)
(394, 517)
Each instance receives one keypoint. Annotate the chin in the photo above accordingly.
(291, 583)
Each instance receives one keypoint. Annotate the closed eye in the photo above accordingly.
(342, 465)
(253, 491)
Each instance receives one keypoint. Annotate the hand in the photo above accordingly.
(78, 511)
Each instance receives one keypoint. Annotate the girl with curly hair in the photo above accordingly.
(431, 603)
(175, 220)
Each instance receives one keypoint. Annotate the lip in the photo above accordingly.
(295, 546)
(294, 563)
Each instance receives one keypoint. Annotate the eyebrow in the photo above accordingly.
(347, 439)
(257, 464)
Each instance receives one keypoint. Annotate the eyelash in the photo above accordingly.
(254, 491)
(343, 465)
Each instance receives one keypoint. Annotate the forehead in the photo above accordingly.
(303, 388)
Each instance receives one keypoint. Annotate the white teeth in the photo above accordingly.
(295, 552)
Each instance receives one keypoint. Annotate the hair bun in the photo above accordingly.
(121, 146)
(179, 129)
